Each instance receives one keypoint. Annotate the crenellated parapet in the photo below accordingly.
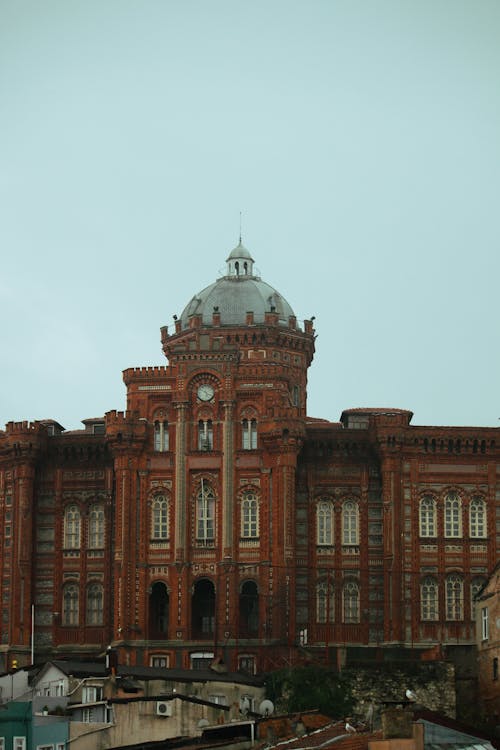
(126, 432)
(23, 441)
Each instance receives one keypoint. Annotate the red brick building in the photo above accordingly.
(213, 517)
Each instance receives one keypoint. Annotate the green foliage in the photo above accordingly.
(309, 688)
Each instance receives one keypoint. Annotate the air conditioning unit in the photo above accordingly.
(164, 708)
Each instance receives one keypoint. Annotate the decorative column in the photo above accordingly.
(180, 484)
(227, 481)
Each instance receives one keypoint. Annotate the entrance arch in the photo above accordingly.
(159, 602)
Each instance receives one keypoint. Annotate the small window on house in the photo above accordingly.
(99, 428)
(19, 743)
(88, 715)
(218, 698)
(91, 693)
(161, 442)
(160, 662)
(246, 663)
(205, 435)
(249, 434)
(201, 659)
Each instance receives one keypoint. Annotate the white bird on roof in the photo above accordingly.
(349, 728)
(410, 695)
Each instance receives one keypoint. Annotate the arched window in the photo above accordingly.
(350, 602)
(72, 527)
(454, 597)
(249, 434)
(324, 523)
(249, 516)
(161, 435)
(350, 522)
(95, 604)
(70, 608)
(159, 604)
(452, 515)
(429, 606)
(475, 587)
(249, 609)
(205, 435)
(159, 518)
(205, 515)
(477, 518)
(428, 524)
(203, 609)
(325, 602)
(96, 527)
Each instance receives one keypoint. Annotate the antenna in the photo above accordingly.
(240, 227)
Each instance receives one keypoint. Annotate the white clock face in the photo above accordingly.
(205, 392)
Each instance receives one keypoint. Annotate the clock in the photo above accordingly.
(205, 392)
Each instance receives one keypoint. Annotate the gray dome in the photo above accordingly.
(236, 294)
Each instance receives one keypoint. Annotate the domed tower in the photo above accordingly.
(226, 421)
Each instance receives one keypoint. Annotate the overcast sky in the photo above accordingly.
(360, 139)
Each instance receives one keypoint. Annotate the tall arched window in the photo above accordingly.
(350, 602)
(452, 515)
(205, 435)
(249, 609)
(95, 604)
(161, 435)
(205, 515)
(159, 518)
(350, 522)
(429, 605)
(72, 527)
(475, 587)
(325, 602)
(249, 516)
(477, 518)
(70, 608)
(249, 434)
(428, 526)
(96, 527)
(454, 597)
(324, 523)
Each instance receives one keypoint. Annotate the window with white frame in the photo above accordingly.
(91, 693)
(452, 515)
(205, 435)
(88, 715)
(350, 522)
(249, 516)
(249, 434)
(19, 743)
(246, 663)
(429, 599)
(72, 527)
(95, 604)
(161, 435)
(60, 746)
(160, 662)
(205, 514)
(324, 523)
(454, 597)
(350, 602)
(428, 525)
(477, 518)
(485, 628)
(96, 527)
(70, 608)
(159, 518)
(2, 743)
(45, 747)
(218, 698)
(325, 602)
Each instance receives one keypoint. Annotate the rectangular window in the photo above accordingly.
(220, 699)
(19, 743)
(2, 743)
(91, 694)
(160, 662)
(88, 715)
(45, 747)
(484, 624)
(205, 435)
(246, 664)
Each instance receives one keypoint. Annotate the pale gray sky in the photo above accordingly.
(359, 138)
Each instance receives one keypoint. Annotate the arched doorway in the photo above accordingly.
(158, 611)
(203, 609)
(249, 609)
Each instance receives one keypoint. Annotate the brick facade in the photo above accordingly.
(214, 518)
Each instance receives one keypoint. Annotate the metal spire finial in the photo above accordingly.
(240, 227)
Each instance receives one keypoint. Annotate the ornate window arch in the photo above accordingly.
(205, 514)
(325, 602)
(452, 515)
(160, 508)
(95, 604)
(324, 522)
(70, 604)
(429, 602)
(427, 516)
(350, 522)
(350, 602)
(454, 596)
(96, 526)
(477, 517)
(72, 527)
(249, 515)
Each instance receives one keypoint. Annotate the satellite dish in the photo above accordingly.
(203, 723)
(266, 707)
